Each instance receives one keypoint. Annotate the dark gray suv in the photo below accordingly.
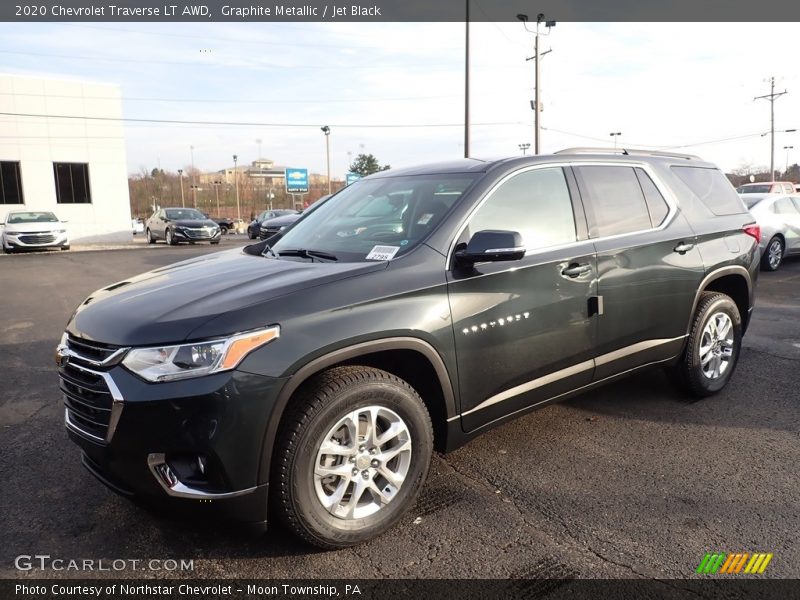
(413, 310)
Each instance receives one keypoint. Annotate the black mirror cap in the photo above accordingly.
(491, 246)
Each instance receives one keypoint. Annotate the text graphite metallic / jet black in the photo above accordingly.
(412, 311)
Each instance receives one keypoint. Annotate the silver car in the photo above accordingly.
(778, 215)
(33, 229)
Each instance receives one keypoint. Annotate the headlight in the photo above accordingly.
(168, 363)
(59, 231)
(282, 228)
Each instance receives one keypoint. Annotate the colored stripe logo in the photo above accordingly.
(732, 563)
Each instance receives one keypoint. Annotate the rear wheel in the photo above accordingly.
(351, 457)
(223, 230)
(773, 254)
(713, 347)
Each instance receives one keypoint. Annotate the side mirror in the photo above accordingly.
(492, 246)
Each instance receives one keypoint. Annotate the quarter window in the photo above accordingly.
(72, 183)
(658, 207)
(712, 188)
(10, 187)
(785, 206)
(614, 200)
(535, 203)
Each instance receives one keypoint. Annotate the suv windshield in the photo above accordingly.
(32, 217)
(377, 219)
(181, 214)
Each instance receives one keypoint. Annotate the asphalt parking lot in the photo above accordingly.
(627, 481)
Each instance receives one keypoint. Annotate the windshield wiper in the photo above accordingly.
(312, 254)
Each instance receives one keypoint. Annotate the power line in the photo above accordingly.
(254, 124)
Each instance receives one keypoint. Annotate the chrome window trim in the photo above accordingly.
(116, 407)
(663, 189)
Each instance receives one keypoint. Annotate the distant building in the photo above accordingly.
(55, 157)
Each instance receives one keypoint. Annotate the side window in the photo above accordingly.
(536, 203)
(788, 188)
(656, 204)
(613, 199)
(712, 188)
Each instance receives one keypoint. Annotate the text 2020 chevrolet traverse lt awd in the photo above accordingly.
(414, 310)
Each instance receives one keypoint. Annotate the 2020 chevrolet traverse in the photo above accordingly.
(414, 310)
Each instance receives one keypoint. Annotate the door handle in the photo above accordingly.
(575, 270)
(683, 248)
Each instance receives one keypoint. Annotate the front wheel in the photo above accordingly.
(773, 255)
(352, 455)
(713, 347)
(169, 238)
(223, 230)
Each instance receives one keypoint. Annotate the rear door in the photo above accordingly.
(523, 329)
(648, 266)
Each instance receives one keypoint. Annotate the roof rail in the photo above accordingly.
(627, 152)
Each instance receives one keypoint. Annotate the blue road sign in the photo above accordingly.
(296, 181)
(352, 178)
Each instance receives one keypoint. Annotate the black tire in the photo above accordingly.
(250, 234)
(689, 372)
(776, 247)
(215, 243)
(318, 407)
(169, 238)
(8, 250)
(223, 230)
(149, 235)
(65, 247)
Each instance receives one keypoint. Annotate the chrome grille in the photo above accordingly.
(88, 401)
(37, 239)
(94, 351)
(198, 233)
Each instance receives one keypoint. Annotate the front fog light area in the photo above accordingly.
(169, 363)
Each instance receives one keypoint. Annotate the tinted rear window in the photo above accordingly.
(614, 200)
(712, 188)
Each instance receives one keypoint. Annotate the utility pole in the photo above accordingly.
(216, 185)
(524, 147)
(180, 176)
(772, 96)
(536, 104)
(787, 148)
(466, 84)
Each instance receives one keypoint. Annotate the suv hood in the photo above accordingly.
(167, 305)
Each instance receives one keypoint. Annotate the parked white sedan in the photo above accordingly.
(33, 229)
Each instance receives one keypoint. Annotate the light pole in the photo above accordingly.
(615, 135)
(216, 185)
(787, 148)
(537, 91)
(466, 83)
(524, 147)
(236, 185)
(194, 180)
(327, 131)
(180, 176)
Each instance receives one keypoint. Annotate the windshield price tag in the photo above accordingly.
(382, 252)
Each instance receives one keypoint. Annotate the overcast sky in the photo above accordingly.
(673, 85)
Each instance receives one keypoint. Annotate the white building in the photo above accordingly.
(57, 153)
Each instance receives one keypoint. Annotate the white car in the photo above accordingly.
(778, 215)
(33, 229)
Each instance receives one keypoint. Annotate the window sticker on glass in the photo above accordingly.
(382, 252)
(423, 220)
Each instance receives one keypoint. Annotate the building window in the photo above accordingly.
(10, 187)
(72, 183)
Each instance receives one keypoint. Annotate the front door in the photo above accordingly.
(523, 329)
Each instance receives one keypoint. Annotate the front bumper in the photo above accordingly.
(196, 443)
(35, 240)
(197, 235)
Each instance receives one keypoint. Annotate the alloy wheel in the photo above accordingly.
(775, 253)
(716, 345)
